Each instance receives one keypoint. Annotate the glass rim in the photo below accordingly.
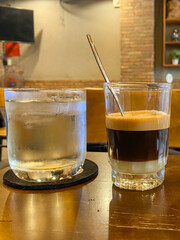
(45, 90)
(154, 85)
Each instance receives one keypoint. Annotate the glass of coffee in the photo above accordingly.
(46, 133)
(138, 140)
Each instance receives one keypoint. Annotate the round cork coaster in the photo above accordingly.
(90, 171)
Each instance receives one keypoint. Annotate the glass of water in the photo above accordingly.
(46, 133)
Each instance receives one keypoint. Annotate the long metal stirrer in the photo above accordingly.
(98, 60)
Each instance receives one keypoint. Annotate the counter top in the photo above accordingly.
(93, 210)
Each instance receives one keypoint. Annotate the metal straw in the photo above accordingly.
(98, 60)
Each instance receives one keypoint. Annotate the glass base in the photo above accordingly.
(48, 175)
(138, 182)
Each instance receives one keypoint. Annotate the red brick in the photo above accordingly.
(136, 39)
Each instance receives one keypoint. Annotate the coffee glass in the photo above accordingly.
(46, 132)
(138, 141)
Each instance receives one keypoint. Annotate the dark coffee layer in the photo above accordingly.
(137, 146)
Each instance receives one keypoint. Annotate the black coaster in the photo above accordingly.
(90, 171)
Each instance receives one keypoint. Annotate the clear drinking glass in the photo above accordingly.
(46, 132)
(138, 141)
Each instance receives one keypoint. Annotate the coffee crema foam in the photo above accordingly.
(142, 120)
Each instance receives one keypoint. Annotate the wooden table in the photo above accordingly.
(3, 132)
(2, 146)
(94, 210)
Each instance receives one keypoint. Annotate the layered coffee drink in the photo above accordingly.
(138, 141)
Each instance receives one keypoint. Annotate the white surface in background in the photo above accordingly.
(61, 50)
(116, 3)
(169, 78)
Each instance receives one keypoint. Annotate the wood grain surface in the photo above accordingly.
(94, 210)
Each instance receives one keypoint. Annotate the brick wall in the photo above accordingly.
(64, 84)
(137, 40)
